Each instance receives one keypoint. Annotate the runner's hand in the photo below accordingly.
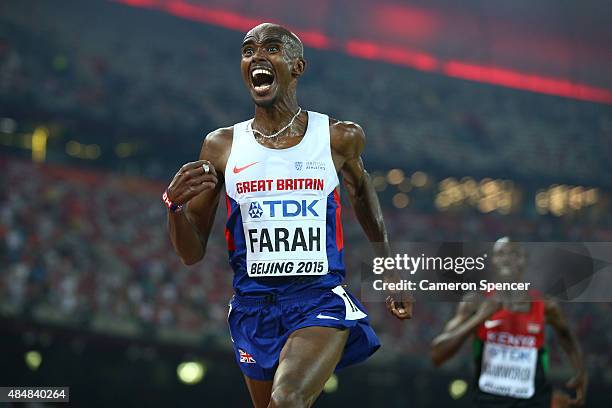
(191, 180)
(400, 305)
(560, 400)
(579, 383)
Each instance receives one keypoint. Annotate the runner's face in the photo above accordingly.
(509, 259)
(266, 68)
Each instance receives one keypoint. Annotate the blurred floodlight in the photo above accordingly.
(33, 359)
(591, 196)
(83, 151)
(470, 188)
(395, 176)
(442, 202)
(447, 183)
(331, 385)
(486, 205)
(576, 197)
(401, 200)
(39, 144)
(73, 148)
(92, 151)
(491, 187)
(419, 179)
(561, 199)
(123, 150)
(191, 372)
(8, 125)
(541, 200)
(457, 388)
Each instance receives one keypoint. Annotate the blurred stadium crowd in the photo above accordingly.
(89, 248)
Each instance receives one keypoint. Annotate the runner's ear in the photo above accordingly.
(299, 66)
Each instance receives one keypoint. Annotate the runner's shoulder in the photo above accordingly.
(216, 146)
(552, 309)
(346, 136)
(219, 138)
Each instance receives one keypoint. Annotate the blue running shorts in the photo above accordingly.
(259, 327)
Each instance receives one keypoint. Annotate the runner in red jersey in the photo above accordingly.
(509, 340)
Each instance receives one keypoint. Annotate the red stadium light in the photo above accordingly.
(394, 55)
(362, 49)
(315, 39)
(207, 15)
(529, 82)
(404, 20)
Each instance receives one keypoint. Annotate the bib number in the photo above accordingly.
(508, 370)
(285, 237)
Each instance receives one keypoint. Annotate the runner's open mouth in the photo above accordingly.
(262, 79)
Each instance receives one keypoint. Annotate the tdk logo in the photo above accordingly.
(283, 208)
(255, 210)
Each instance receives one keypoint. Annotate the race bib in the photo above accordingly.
(508, 370)
(285, 237)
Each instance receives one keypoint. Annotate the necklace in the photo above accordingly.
(280, 131)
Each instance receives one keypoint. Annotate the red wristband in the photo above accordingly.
(173, 207)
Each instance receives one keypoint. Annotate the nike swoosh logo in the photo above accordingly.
(239, 169)
(322, 316)
(489, 324)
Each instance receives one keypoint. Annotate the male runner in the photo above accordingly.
(509, 349)
(291, 322)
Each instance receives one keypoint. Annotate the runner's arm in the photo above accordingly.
(190, 229)
(459, 328)
(569, 343)
(348, 139)
(361, 192)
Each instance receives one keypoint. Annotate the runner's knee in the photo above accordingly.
(286, 396)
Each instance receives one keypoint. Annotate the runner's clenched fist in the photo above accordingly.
(192, 179)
